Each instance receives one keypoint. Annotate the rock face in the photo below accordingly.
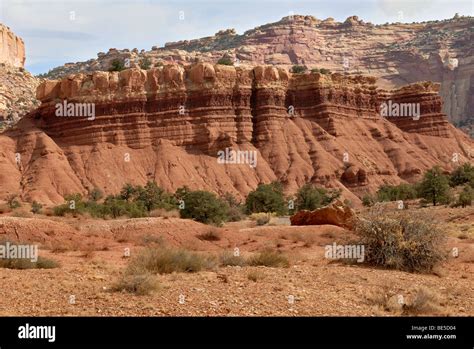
(397, 53)
(17, 86)
(170, 124)
(12, 48)
(334, 214)
(17, 94)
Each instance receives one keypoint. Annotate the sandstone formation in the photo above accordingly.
(167, 124)
(17, 86)
(396, 53)
(12, 48)
(17, 94)
(334, 214)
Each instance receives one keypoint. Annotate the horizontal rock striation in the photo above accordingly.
(168, 124)
(396, 53)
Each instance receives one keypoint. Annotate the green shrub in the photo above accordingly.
(153, 197)
(145, 63)
(324, 71)
(400, 240)
(267, 198)
(435, 186)
(466, 196)
(128, 192)
(204, 207)
(12, 201)
(396, 192)
(315, 70)
(225, 61)
(117, 65)
(96, 194)
(309, 197)
(36, 207)
(368, 200)
(73, 205)
(236, 210)
(462, 175)
(298, 69)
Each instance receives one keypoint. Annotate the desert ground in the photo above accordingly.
(93, 255)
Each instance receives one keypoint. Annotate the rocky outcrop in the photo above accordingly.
(334, 214)
(17, 86)
(17, 94)
(12, 48)
(169, 124)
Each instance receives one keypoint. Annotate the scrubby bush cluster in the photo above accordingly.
(151, 200)
(397, 192)
(435, 188)
(298, 69)
(139, 276)
(400, 240)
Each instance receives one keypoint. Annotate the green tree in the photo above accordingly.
(309, 197)
(152, 197)
(204, 207)
(435, 186)
(267, 198)
(461, 175)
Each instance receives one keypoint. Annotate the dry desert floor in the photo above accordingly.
(94, 253)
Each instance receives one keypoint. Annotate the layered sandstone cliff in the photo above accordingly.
(12, 48)
(168, 124)
(396, 53)
(17, 86)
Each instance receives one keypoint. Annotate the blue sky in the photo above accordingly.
(56, 32)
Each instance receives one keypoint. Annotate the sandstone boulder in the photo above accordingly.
(336, 213)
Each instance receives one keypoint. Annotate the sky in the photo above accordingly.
(61, 31)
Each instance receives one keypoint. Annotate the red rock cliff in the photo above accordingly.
(167, 124)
